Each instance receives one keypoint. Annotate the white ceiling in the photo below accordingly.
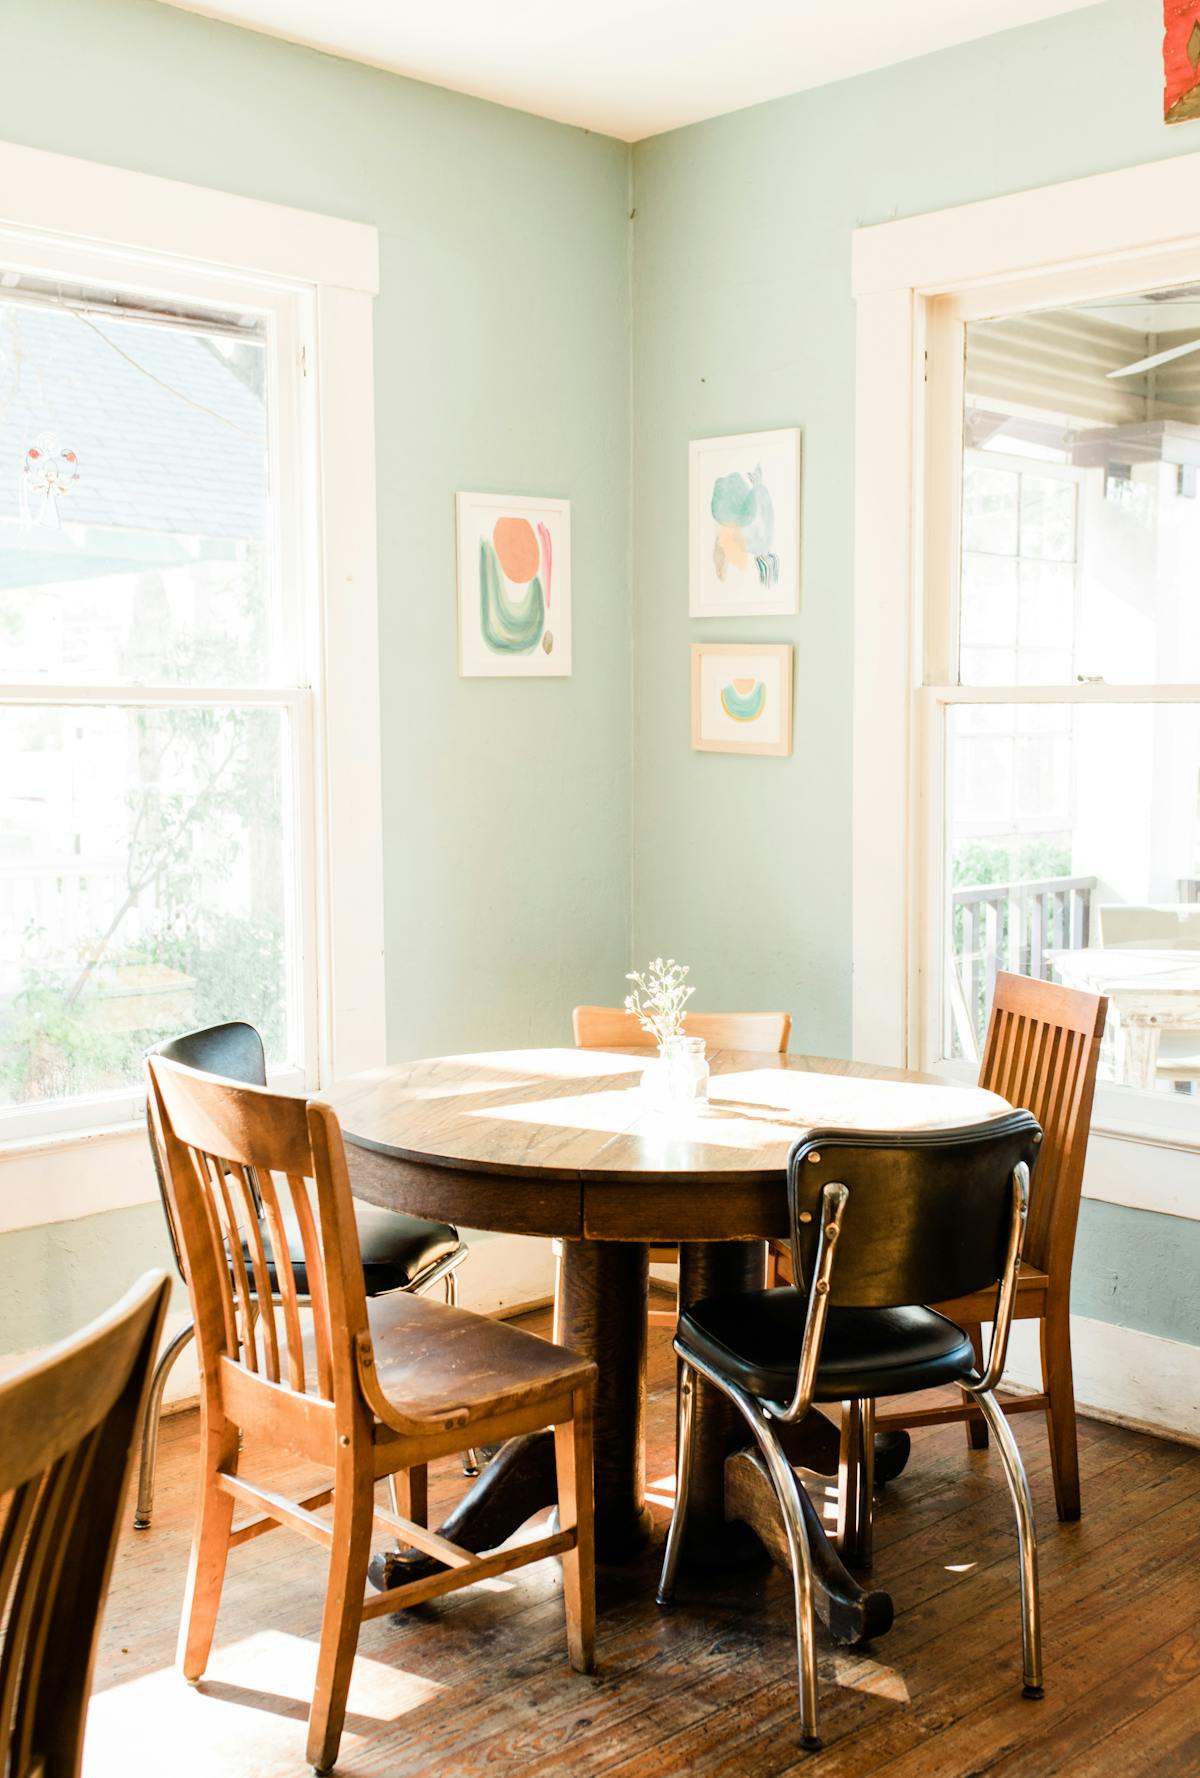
(630, 68)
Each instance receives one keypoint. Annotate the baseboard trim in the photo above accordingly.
(1122, 1375)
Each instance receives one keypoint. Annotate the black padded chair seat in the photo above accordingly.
(754, 1339)
(396, 1249)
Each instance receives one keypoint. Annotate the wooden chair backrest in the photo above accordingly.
(69, 1423)
(229, 1149)
(1040, 1053)
(613, 1028)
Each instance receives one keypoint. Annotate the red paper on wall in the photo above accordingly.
(1181, 60)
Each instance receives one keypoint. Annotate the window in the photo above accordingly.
(1062, 673)
(157, 790)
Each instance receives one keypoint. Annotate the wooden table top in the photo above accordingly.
(463, 1132)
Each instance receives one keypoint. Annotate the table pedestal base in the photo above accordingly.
(600, 1312)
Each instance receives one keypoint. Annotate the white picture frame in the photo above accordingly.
(742, 698)
(744, 524)
(514, 586)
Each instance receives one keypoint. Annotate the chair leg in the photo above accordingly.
(849, 1484)
(866, 1478)
(1018, 1487)
(153, 1414)
(1059, 1385)
(210, 1548)
(683, 1479)
(787, 1492)
(348, 1559)
(470, 1466)
(408, 1493)
(573, 1463)
(977, 1432)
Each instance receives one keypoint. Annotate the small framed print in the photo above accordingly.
(744, 500)
(514, 587)
(742, 697)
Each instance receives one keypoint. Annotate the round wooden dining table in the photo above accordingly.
(563, 1143)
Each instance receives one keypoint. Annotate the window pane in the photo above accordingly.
(1073, 854)
(135, 506)
(143, 887)
(1080, 452)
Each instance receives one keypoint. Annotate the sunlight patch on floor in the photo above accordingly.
(247, 1716)
(857, 1674)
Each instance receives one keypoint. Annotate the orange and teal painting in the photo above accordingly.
(514, 611)
(742, 697)
(745, 524)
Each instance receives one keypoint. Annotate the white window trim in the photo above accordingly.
(334, 264)
(1125, 230)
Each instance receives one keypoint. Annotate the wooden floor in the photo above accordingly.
(478, 1684)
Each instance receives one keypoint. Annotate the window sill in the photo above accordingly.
(55, 1141)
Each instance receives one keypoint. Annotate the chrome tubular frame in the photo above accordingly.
(1006, 1297)
(152, 1414)
(787, 1492)
(834, 1199)
(1018, 1487)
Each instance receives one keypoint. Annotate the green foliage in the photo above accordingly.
(1028, 861)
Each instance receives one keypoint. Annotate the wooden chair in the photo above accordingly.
(68, 1431)
(375, 1388)
(1040, 1053)
(399, 1252)
(613, 1028)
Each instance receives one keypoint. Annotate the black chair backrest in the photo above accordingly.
(235, 1051)
(928, 1215)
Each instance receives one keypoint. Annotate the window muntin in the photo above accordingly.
(155, 781)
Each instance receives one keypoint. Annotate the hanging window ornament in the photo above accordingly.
(47, 476)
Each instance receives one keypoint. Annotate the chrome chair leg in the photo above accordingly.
(470, 1465)
(683, 1478)
(1018, 1487)
(787, 1492)
(149, 1458)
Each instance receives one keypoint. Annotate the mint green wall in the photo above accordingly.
(502, 354)
(503, 360)
(743, 319)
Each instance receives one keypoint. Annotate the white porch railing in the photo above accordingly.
(1010, 926)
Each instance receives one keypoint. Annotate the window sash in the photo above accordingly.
(289, 311)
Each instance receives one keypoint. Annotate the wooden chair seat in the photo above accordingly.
(431, 1360)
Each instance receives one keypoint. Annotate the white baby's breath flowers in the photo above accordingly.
(659, 997)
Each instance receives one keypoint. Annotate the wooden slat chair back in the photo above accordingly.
(69, 1422)
(367, 1394)
(615, 1028)
(1041, 1053)
(250, 1152)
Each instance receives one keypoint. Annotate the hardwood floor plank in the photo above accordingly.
(478, 1686)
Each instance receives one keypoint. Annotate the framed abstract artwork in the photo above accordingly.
(1181, 60)
(514, 586)
(742, 697)
(744, 500)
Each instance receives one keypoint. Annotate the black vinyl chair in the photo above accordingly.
(399, 1252)
(880, 1225)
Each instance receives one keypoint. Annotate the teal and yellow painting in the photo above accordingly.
(744, 700)
(745, 518)
(514, 596)
(742, 697)
(744, 499)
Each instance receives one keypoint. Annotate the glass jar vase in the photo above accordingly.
(678, 1075)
